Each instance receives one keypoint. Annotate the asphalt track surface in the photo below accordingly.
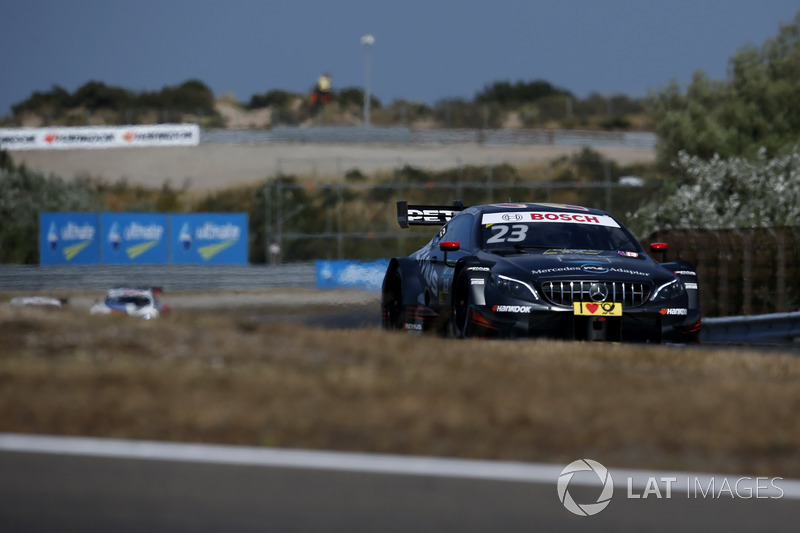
(86, 492)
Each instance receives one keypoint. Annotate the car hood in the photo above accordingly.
(568, 264)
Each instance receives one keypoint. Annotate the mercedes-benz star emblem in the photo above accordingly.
(598, 292)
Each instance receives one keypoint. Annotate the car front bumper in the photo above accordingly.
(634, 325)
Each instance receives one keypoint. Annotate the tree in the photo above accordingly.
(507, 94)
(52, 102)
(25, 194)
(277, 98)
(96, 95)
(191, 96)
(728, 192)
(756, 107)
(354, 96)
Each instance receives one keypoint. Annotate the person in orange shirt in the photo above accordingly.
(322, 93)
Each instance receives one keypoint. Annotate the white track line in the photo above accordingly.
(371, 463)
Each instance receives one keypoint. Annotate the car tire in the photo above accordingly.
(463, 327)
(394, 311)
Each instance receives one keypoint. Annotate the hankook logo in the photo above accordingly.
(598, 292)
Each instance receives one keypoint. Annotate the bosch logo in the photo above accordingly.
(594, 269)
(507, 217)
(585, 509)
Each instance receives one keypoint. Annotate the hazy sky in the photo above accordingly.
(424, 50)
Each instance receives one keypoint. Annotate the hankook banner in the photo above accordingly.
(99, 137)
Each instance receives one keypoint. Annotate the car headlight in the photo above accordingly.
(668, 291)
(515, 288)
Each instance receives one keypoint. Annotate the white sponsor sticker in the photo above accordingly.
(511, 309)
(549, 216)
(674, 311)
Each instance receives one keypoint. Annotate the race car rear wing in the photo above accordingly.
(426, 215)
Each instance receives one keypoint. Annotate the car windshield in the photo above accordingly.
(558, 235)
(138, 301)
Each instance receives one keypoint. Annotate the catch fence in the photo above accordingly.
(354, 218)
(741, 271)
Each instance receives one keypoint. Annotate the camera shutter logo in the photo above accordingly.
(586, 509)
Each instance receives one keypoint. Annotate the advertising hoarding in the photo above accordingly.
(134, 238)
(143, 238)
(69, 238)
(209, 238)
(70, 138)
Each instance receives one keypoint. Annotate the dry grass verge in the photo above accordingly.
(198, 378)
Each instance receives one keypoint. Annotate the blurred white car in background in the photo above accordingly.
(133, 301)
(38, 301)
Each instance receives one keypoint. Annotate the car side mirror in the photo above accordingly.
(449, 246)
(659, 247)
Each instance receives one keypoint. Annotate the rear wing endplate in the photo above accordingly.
(426, 215)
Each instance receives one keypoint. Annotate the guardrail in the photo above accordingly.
(21, 278)
(403, 135)
(776, 328)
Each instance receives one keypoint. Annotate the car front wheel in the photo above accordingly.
(463, 327)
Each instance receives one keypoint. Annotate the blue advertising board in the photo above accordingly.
(69, 238)
(209, 238)
(134, 238)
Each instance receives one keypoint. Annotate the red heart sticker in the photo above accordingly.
(129, 136)
(592, 308)
(50, 137)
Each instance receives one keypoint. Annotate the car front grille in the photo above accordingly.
(566, 292)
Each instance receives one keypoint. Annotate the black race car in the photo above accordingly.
(537, 270)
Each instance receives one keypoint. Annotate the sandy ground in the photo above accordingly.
(214, 166)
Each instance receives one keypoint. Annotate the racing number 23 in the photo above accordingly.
(503, 233)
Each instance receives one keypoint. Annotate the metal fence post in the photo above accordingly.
(722, 276)
(339, 219)
(780, 274)
(745, 238)
(607, 180)
(279, 218)
(548, 181)
(489, 183)
(267, 232)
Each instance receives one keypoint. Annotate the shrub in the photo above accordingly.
(23, 195)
